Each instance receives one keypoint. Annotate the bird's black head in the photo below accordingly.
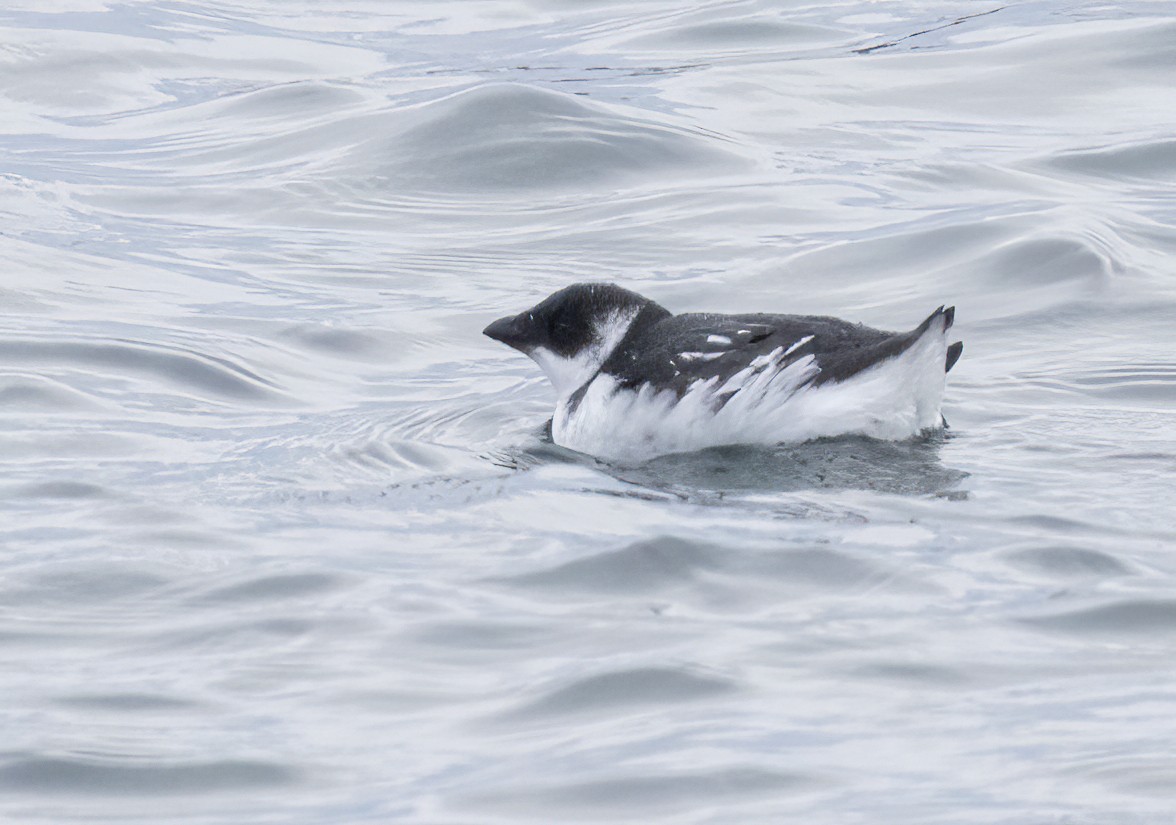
(571, 332)
(567, 322)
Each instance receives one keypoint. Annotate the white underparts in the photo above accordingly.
(769, 401)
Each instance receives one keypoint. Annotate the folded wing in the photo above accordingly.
(684, 349)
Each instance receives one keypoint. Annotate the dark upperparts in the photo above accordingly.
(674, 351)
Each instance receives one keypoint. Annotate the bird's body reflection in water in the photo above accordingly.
(910, 467)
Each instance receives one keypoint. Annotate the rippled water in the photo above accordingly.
(282, 539)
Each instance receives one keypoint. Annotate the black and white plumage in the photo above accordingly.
(634, 381)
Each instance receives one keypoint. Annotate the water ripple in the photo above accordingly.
(1153, 618)
(201, 374)
(113, 777)
(281, 534)
(645, 687)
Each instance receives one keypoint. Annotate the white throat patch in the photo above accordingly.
(569, 374)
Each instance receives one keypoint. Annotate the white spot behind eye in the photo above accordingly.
(701, 356)
(718, 339)
(569, 373)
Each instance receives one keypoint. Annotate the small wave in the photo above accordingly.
(126, 702)
(204, 375)
(63, 489)
(502, 138)
(336, 342)
(1032, 262)
(63, 588)
(1067, 562)
(1150, 161)
(22, 394)
(724, 36)
(274, 587)
(301, 102)
(637, 687)
(641, 567)
(1148, 383)
(122, 777)
(916, 674)
(484, 638)
(1151, 618)
(655, 793)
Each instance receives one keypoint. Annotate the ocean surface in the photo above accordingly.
(282, 539)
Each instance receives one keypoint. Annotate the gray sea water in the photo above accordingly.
(281, 539)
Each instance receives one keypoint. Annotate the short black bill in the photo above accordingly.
(507, 331)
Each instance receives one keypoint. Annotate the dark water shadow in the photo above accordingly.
(45, 775)
(911, 467)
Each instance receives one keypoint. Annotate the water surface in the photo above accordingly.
(281, 537)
